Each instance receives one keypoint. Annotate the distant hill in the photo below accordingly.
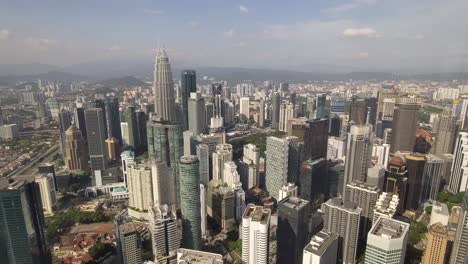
(50, 76)
(124, 82)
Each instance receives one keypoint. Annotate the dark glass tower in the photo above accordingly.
(189, 202)
(316, 139)
(81, 121)
(358, 112)
(113, 118)
(141, 120)
(275, 109)
(415, 166)
(292, 235)
(130, 117)
(100, 103)
(320, 106)
(64, 124)
(405, 124)
(22, 224)
(314, 182)
(96, 126)
(189, 85)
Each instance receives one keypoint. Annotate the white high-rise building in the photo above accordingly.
(358, 154)
(288, 190)
(125, 133)
(255, 234)
(222, 155)
(165, 235)
(459, 176)
(140, 187)
(381, 153)
(46, 184)
(287, 112)
(460, 110)
(445, 93)
(386, 242)
(385, 206)
(336, 148)
(244, 106)
(322, 249)
(163, 189)
(230, 175)
(128, 158)
(277, 150)
(203, 212)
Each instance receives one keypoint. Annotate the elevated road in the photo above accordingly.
(37, 159)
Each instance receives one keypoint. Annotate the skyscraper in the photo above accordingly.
(163, 88)
(244, 107)
(130, 117)
(405, 123)
(165, 142)
(95, 126)
(222, 155)
(275, 109)
(432, 178)
(189, 85)
(76, 151)
(64, 124)
(415, 164)
(80, 121)
(196, 114)
(343, 219)
(358, 112)
(277, 164)
(255, 234)
(446, 133)
(46, 183)
(164, 233)
(139, 186)
(365, 196)
(320, 101)
(203, 155)
(22, 224)
(322, 249)
(358, 153)
(337, 105)
(460, 243)
(291, 233)
(313, 183)
(386, 242)
(316, 139)
(261, 110)
(189, 202)
(436, 247)
(128, 241)
(113, 118)
(459, 176)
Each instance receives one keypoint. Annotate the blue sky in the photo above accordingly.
(415, 35)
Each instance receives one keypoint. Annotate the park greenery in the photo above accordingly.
(417, 231)
(100, 250)
(258, 140)
(61, 221)
(450, 199)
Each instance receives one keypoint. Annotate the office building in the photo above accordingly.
(275, 109)
(125, 133)
(131, 120)
(459, 172)
(141, 121)
(96, 130)
(128, 246)
(189, 85)
(222, 155)
(9, 131)
(432, 178)
(203, 155)
(405, 123)
(187, 256)
(337, 105)
(436, 247)
(244, 107)
(163, 88)
(165, 238)
(113, 118)
(128, 158)
(386, 206)
(76, 151)
(316, 139)
(386, 242)
(396, 180)
(196, 114)
(288, 190)
(446, 130)
(80, 121)
(221, 204)
(292, 236)
(139, 186)
(261, 110)
(460, 110)
(22, 224)
(313, 183)
(334, 129)
(343, 219)
(365, 196)
(388, 109)
(189, 201)
(415, 164)
(371, 103)
(113, 149)
(358, 153)
(276, 164)
(166, 143)
(163, 181)
(64, 124)
(439, 214)
(320, 101)
(297, 127)
(255, 232)
(322, 249)
(287, 113)
(47, 190)
(358, 112)
(460, 243)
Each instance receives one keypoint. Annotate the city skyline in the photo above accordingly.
(317, 36)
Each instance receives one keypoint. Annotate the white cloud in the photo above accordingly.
(193, 23)
(4, 34)
(152, 11)
(114, 48)
(363, 55)
(243, 9)
(346, 7)
(41, 43)
(229, 34)
(239, 44)
(360, 32)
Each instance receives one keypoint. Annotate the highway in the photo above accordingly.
(38, 159)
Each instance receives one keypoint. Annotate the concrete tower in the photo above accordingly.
(163, 88)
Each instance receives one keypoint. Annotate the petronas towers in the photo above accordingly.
(163, 88)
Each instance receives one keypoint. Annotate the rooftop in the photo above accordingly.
(320, 242)
(188, 256)
(388, 228)
(257, 214)
(294, 202)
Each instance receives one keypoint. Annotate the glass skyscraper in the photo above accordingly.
(189, 85)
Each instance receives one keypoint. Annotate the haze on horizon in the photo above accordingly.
(398, 35)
